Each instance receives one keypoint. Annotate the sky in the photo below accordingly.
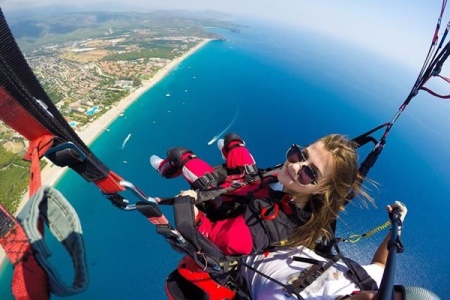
(401, 29)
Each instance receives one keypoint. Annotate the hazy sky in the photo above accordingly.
(402, 28)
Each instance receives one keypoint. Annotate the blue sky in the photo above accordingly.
(401, 29)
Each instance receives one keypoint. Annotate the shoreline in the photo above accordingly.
(51, 174)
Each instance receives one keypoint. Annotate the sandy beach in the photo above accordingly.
(51, 173)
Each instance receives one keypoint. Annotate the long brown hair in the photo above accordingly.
(331, 197)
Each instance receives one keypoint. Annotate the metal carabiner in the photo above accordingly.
(123, 203)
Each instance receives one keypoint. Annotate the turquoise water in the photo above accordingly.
(92, 110)
(73, 123)
(290, 87)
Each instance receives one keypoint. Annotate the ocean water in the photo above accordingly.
(274, 86)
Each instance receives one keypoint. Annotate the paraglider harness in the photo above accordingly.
(206, 263)
(26, 107)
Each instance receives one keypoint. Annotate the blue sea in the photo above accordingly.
(274, 85)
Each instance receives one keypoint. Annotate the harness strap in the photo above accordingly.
(50, 206)
(29, 279)
(206, 254)
(110, 184)
(26, 107)
(357, 273)
(210, 194)
(35, 151)
(155, 216)
(205, 181)
(360, 276)
(308, 276)
(236, 145)
(287, 287)
(23, 86)
(247, 170)
(214, 193)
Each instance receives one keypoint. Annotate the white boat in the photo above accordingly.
(126, 140)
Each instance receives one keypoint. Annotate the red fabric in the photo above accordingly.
(167, 170)
(29, 279)
(285, 203)
(35, 173)
(445, 78)
(191, 271)
(13, 114)
(195, 168)
(159, 220)
(231, 236)
(435, 94)
(110, 184)
(239, 156)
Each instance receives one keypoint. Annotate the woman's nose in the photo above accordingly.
(299, 165)
(302, 163)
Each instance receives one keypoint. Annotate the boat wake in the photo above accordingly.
(126, 140)
(216, 137)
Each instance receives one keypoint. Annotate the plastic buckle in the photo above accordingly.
(250, 169)
(206, 179)
(236, 184)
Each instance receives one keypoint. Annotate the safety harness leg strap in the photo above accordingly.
(50, 206)
(357, 273)
(206, 253)
(360, 276)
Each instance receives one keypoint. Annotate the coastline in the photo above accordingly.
(51, 173)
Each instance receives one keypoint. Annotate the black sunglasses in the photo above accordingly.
(306, 175)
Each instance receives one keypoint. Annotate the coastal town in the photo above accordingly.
(89, 77)
(84, 83)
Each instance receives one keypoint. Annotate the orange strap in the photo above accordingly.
(29, 280)
(36, 150)
(110, 184)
